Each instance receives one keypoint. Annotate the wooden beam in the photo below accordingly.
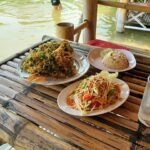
(90, 14)
(129, 6)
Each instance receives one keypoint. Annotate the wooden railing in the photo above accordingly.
(78, 29)
(128, 6)
(90, 16)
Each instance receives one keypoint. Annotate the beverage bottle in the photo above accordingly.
(144, 111)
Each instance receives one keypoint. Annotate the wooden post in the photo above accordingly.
(121, 17)
(90, 14)
(65, 30)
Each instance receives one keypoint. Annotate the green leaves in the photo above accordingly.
(111, 92)
(42, 56)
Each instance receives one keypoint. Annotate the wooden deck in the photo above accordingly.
(30, 118)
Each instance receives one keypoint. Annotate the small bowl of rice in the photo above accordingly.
(112, 60)
(115, 59)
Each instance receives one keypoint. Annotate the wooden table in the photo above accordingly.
(30, 118)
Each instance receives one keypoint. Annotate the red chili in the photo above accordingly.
(95, 104)
(87, 97)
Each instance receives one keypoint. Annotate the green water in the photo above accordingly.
(23, 22)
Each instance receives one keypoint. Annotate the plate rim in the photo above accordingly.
(47, 83)
(109, 69)
(97, 112)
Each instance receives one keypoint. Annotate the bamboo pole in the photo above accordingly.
(77, 36)
(90, 14)
(81, 27)
(121, 17)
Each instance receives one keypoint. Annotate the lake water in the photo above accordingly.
(23, 22)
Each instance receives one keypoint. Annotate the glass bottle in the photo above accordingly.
(144, 111)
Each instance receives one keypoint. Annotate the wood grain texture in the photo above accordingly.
(10, 69)
(136, 87)
(139, 73)
(134, 100)
(10, 125)
(32, 137)
(17, 132)
(143, 67)
(5, 137)
(106, 127)
(120, 121)
(22, 56)
(64, 118)
(11, 84)
(143, 60)
(131, 106)
(124, 112)
(12, 64)
(4, 92)
(17, 60)
(134, 80)
(64, 131)
(47, 91)
(136, 93)
(39, 97)
(57, 88)
(13, 77)
(133, 75)
(52, 105)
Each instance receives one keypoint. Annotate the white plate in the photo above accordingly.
(82, 66)
(96, 61)
(61, 100)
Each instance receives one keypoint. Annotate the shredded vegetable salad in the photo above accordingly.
(95, 92)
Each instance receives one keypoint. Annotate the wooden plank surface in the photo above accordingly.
(10, 125)
(62, 117)
(68, 133)
(39, 140)
(23, 135)
(36, 103)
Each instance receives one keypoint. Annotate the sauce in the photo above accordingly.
(70, 102)
(38, 78)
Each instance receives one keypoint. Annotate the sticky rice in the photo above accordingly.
(115, 60)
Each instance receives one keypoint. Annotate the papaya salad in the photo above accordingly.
(95, 93)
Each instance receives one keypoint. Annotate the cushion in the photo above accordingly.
(105, 44)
